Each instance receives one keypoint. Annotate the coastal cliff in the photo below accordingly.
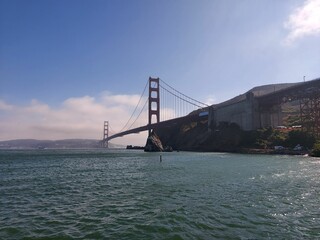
(229, 137)
(195, 136)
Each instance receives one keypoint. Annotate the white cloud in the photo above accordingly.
(80, 117)
(36, 107)
(114, 100)
(5, 106)
(304, 21)
(210, 100)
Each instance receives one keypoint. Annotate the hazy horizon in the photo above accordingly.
(68, 66)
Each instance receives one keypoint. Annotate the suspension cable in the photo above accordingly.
(175, 95)
(181, 98)
(145, 87)
(111, 130)
(183, 94)
(139, 113)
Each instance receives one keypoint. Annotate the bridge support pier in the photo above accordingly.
(154, 101)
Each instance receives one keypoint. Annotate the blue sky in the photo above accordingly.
(65, 66)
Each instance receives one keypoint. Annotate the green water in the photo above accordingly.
(100, 194)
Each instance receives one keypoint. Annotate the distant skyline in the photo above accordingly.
(66, 66)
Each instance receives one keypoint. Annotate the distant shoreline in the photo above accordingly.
(54, 144)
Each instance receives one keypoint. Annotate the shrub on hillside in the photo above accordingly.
(299, 137)
(316, 150)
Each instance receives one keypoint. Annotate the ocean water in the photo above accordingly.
(121, 194)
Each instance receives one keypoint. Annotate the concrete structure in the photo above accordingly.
(261, 107)
(242, 112)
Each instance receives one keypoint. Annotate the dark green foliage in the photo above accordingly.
(268, 138)
(316, 150)
(299, 137)
(262, 143)
(277, 138)
(293, 120)
(229, 137)
(263, 138)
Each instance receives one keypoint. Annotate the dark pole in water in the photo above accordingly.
(160, 158)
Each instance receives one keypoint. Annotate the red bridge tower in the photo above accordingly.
(154, 101)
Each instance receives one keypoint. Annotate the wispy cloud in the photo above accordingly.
(80, 117)
(5, 106)
(210, 100)
(304, 21)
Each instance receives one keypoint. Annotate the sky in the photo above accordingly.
(66, 66)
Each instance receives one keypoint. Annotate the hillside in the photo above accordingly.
(228, 136)
(53, 144)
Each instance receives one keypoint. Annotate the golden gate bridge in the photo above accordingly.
(174, 108)
(251, 111)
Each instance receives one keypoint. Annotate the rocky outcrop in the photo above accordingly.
(153, 143)
(195, 136)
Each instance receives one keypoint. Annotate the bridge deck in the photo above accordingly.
(167, 123)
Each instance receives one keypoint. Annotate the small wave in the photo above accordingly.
(130, 196)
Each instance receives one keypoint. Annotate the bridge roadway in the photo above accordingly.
(296, 92)
(167, 123)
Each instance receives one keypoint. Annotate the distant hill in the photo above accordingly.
(53, 144)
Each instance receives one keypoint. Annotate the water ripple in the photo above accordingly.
(72, 194)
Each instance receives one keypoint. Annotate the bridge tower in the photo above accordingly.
(105, 134)
(154, 101)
